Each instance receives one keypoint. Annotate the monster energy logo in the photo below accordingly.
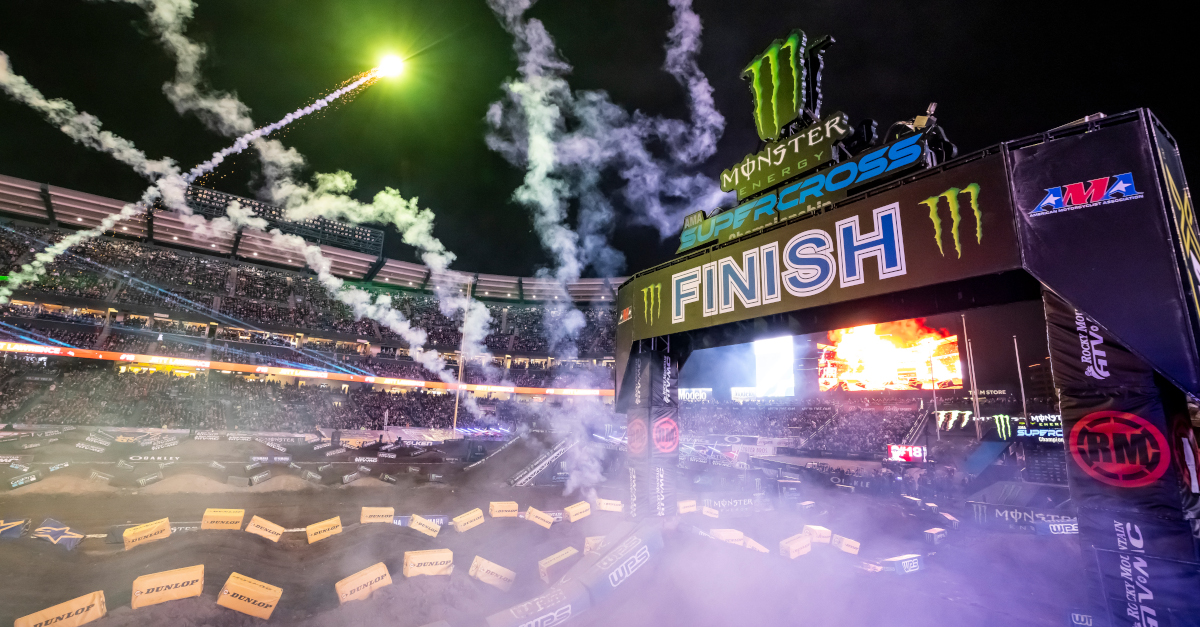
(1003, 426)
(652, 302)
(951, 195)
(779, 82)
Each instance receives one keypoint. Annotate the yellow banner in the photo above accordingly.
(606, 505)
(749, 543)
(818, 533)
(265, 528)
(686, 507)
(168, 585)
(319, 531)
(249, 596)
(845, 544)
(79, 611)
(469, 520)
(538, 517)
(492, 574)
(360, 585)
(148, 532)
(546, 567)
(432, 562)
(502, 509)
(710, 512)
(578, 511)
(425, 526)
(377, 515)
(222, 519)
(591, 544)
(795, 546)
(732, 536)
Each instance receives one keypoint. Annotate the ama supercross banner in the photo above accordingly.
(1117, 417)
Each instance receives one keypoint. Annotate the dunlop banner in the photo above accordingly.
(431, 562)
(732, 536)
(469, 520)
(168, 585)
(249, 596)
(492, 573)
(377, 515)
(795, 546)
(222, 519)
(538, 517)
(592, 544)
(360, 585)
(265, 528)
(845, 544)
(606, 505)
(749, 543)
(818, 533)
(319, 531)
(425, 526)
(502, 509)
(148, 532)
(551, 568)
(686, 507)
(710, 512)
(78, 611)
(578, 511)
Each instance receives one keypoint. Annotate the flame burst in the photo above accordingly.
(904, 355)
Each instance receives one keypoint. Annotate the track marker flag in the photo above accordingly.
(57, 533)
(168, 585)
(360, 585)
(77, 611)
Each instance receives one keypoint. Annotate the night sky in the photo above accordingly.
(998, 70)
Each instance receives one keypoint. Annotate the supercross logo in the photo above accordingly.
(1102, 191)
(952, 202)
(1119, 449)
(652, 303)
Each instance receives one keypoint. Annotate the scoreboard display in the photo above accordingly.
(906, 453)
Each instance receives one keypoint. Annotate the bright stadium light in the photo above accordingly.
(391, 66)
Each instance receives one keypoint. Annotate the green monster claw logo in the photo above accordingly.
(652, 302)
(951, 196)
(1003, 426)
(778, 92)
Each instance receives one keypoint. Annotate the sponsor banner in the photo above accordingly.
(787, 158)
(99, 477)
(554, 607)
(749, 543)
(1016, 518)
(552, 567)
(387, 455)
(437, 519)
(377, 515)
(626, 550)
(431, 562)
(686, 507)
(592, 544)
(754, 450)
(271, 459)
(169, 585)
(469, 520)
(207, 437)
(795, 546)
(845, 545)
(935, 535)
(730, 504)
(89, 447)
(265, 528)
(146, 458)
(425, 526)
(351, 478)
(60, 466)
(366, 460)
(695, 395)
(1144, 590)
(260, 477)
(148, 532)
(324, 529)
(710, 512)
(337, 451)
(311, 477)
(11, 529)
(732, 536)
(24, 479)
(273, 445)
(492, 573)
(77, 611)
(606, 505)
(904, 564)
(15, 459)
(322, 445)
(502, 509)
(222, 519)
(578, 511)
(360, 585)
(55, 532)
(162, 445)
(148, 479)
(249, 596)
(818, 534)
(538, 517)
(1055, 529)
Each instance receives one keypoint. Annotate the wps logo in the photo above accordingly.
(1102, 191)
(557, 617)
(629, 566)
(952, 202)
(652, 303)
(1119, 449)
(911, 565)
(779, 78)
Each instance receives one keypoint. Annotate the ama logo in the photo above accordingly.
(1119, 449)
(1102, 191)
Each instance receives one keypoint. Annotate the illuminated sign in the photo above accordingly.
(905, 453)
(1044, 428)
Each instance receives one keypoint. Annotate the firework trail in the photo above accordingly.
(363, 80)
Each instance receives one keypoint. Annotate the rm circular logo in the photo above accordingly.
(666, 435)
(1119, 449)
(635, 434)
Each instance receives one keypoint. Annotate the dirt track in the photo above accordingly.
(976, 579)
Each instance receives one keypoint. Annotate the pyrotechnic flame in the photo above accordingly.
(903, 355)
